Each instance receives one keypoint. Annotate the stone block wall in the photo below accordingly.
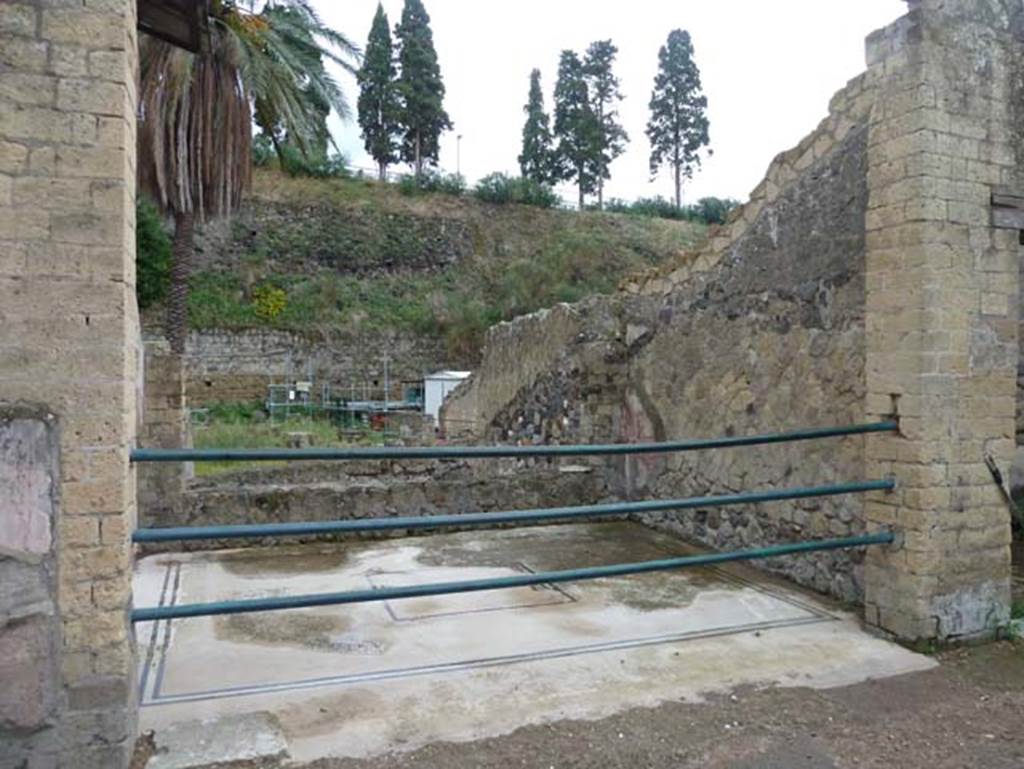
(327, 491)
(942, 295)
(68, 341)
(237, 366)
(164, 426)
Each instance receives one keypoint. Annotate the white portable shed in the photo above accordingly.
(436, 388)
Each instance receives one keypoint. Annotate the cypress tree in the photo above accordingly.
(378, 96)
(575, 127)
(678, 125)
(603, 88)
(422, 114)
(535, 161)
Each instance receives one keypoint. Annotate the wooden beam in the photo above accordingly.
(180, 22)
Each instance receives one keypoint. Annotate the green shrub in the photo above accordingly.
(296, 164)
(501, 189)
(152, 254)
(269, 302)
(263, 153)
(714, 210)
(331, 167)
(656, 207)
(234, 413)
(709, 210)
(433, 181)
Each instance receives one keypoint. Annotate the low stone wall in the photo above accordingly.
(323, 492)
(235, 366)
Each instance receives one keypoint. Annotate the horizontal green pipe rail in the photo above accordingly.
(246, 531)
(479, 452)
(520, 580)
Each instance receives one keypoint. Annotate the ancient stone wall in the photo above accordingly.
(69, 342)
(318, 236)
(761, 329)
(236, 366)
(329, 491)
(867, 278)
(942, 293)
(164, 425)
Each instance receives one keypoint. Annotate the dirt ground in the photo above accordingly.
(969, 712)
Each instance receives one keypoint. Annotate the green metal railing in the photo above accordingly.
(495, 583)
(479, 452)
(248, 531)
(514, 516)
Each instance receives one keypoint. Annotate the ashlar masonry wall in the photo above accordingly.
(942, 288)
(68, 366)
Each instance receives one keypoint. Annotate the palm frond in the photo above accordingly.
(195, 128)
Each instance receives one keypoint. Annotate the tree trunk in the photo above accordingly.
(679, 188)
(419, 158)
(181, 269)
(582, 201)
(600, 195)
(382, 172)
(279, 151)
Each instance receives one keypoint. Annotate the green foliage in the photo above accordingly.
(263, 153)
(291, 35)
(239, 413)
(379, 102)
(610, 137)
(522, 259)
(713, 210)
(706, 210)
(678, 125)
(422, 115)
(152, 254)
(432, 181)
(576, 127)
(500, 188)
(295, 163)
(536, 161)
(269, 302)
(197, 111)
(247, 426)
(657, 207)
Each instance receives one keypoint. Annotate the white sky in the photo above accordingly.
(768, 69)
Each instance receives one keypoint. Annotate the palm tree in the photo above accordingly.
(196, 114)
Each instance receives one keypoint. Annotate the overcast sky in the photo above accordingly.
(768, 69)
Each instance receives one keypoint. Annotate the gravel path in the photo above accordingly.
(967, 713)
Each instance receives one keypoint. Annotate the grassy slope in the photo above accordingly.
(522, 259)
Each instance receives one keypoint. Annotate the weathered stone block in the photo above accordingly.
(27, 88)
(88, 95)
(87, 28)
(13, 157)
(28, 698)
(17, 19)
(27, 486)
(94, 162)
